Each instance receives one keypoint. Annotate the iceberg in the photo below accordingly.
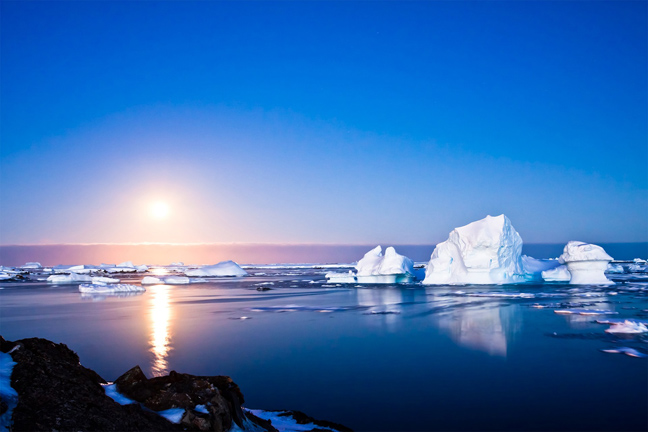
(586, 263)
(487, 251)
(125, 267)
(32, 265)
(391, 267)
(97, 288)
(224, 268)
(614, 268)
(627, 327)
(558, 274)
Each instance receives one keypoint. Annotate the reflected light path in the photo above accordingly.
(160, 336)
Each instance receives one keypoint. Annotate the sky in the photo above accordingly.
(322, 122)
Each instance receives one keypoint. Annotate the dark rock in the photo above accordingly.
(266, 424)
(263, 288)
(56, 393)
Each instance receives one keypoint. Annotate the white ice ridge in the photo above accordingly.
(224, 268)
(8, 394)
(169, 280)
(96, 288)
(32, 265)
(487, 251)
(125, 267)
(334, 277)
(586, 263)
(76, 278)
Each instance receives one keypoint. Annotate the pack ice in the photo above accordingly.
(487, 251)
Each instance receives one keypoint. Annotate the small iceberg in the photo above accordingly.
(224, 268)
(376, 268)
(125, 267)
(169, 280)
(584, 312)
(117, 288)
(586, 263)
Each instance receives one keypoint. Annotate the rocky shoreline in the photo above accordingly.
(56, 393)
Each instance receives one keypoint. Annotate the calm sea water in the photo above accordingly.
(405, 357)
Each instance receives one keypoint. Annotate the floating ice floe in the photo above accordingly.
(77, 278)
(558, 274)
(8, 394)
(32, 266)
(487, 251)
(638, 268)
(169, 280)
(586, 263)
(117, 288)
(125, 267)
(584, 312)
(627, 327)
(625, 350)
(334, 277)
(224, 268)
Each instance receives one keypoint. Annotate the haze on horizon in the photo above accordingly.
(322, 122)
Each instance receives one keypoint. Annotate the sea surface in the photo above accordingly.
(381, 358)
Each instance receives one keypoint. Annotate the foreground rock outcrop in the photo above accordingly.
(56, 393)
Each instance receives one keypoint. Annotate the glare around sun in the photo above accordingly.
(159, 210)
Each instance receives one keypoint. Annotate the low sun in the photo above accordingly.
(159, 210)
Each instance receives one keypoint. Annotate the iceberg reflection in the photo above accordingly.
(483, 327)
(160, 336)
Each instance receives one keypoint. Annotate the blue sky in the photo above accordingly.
(323, 122)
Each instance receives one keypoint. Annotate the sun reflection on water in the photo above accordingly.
(160, 336)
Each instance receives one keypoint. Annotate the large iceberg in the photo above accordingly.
(77, 278)
(586, 263)
(224, 268)
(487, 251)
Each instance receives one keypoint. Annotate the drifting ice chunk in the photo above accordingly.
(150, 280)
(559, 274)
(625, 350)
(586, 263)
(32, 265)
(627, 327)
(487, 251)
(225, 268)
(76, 278)
(95, 288)
(341, 277)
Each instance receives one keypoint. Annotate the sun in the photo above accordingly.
(159, 210)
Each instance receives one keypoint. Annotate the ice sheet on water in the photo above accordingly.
(500, 295)
(95, 288)
(111, 391)
(585, 312)
(284, 422)
(297, 308)
(625, 350)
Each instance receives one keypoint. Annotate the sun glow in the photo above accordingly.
(159, 210)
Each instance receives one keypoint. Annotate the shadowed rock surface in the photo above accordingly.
(56, 393)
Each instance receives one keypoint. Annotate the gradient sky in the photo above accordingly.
(331, 122)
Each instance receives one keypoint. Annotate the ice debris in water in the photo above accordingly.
(584, 312)
(383, 312)
(487, 251)
(334, 277)
(627, 327)
(169, 280)
(586, 263)
(224, 268)
(625, 350)
(95, 288)
(614, 268)
(111, 391)
(8, 394)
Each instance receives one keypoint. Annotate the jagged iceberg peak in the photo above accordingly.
(224, 268)
(374, 263)
(586, 263)
(487, 251)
